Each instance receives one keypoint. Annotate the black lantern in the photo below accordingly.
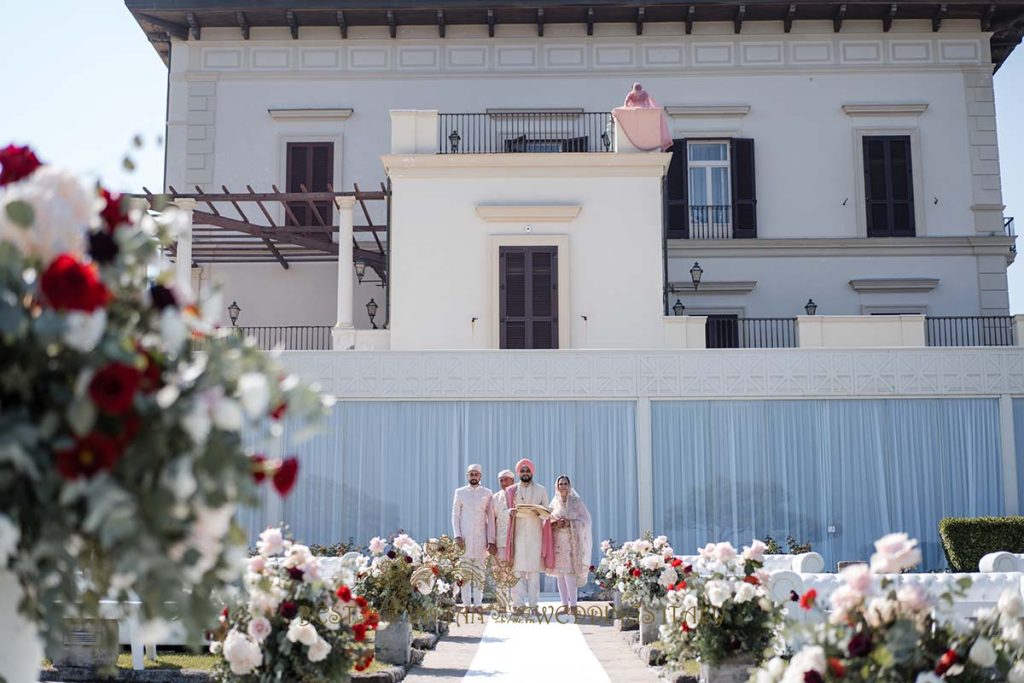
(455, 139)
(371, 310)
(695, 274)
(811, 307)
(233, 311)
(678, 307)
(360, 270)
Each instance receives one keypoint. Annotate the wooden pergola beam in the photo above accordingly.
(258, 231)
(243, 23)
(266, 242)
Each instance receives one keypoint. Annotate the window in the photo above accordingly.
(709, 190)
(888, 186)
(528, 297)
(309, 165)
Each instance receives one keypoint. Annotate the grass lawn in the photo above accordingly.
(191, 660)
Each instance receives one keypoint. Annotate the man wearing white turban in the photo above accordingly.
(501, 518)
(473, 525)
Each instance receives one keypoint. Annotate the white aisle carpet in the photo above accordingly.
(532, 652)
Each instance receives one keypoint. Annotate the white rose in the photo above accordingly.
(724, 552)
(755, 551)
(82, 331)
(776, 667)
(1010, 604)
(241, 652)
(857, 577)
(982, 653)
(254, 393)
(215, 647)
(271, 542)
(377, 545)
(259, 628)
(605, 546)
(301, 631)
(319, 650)
(895, 552)
(744, 592)
(63, 208)
(1016, 674)
(811, 658)
(652, 562)
(1014, 635)
(227, 415)
(913, 598)
(845, 598)
(717, 592)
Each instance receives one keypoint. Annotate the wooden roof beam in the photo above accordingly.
(640, 15)
(837, 21)
(939, 15)
(690, 14)
(540, 22)
(986, 20)
(887, 21)
(205, 218)
(440, 23)
(293, 24)
(342, 24)
(590, 21)
(737, 23)
(490, 23)
(787, 23)
(193, 25)
(392, 25)
(266, 242)
(173, 30)
(243, 23)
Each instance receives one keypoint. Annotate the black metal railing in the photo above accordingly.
(750, 333)
(528, 131)
(710, 222)
(287, 337)
(1010, 231)
(973, 330)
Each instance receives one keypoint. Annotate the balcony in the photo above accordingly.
(514, 131)
(286, 337)
(727, 332)
(989, 330)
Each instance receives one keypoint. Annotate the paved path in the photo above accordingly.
(590, 652)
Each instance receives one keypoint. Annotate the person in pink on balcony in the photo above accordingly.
(639, 128)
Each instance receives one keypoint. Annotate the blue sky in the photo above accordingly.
(80, 84)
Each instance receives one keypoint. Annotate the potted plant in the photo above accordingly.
(645, 569)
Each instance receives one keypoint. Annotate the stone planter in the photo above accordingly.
(21, 650)
(89, 649)
(393, 643)
(651, 619)
(735, 670)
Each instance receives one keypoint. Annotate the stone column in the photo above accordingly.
(183, 253)
(344, 333)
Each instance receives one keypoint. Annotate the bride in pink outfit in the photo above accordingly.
(571, 531)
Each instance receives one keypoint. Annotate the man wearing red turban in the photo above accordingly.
(529, 543)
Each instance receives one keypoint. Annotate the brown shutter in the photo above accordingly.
(310, 165)
(528, 297)
(744, 200)
(677, 182)
(888, 186)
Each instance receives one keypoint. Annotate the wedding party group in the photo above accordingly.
(526, 533)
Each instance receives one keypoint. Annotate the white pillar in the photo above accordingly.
(183, 251)
(1008, 443)
(344, 333)
(644, 466)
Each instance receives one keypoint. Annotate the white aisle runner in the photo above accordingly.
(531, 652)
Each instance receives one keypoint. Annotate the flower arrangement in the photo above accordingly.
(605, 575)
(722, 610)
(400, 580)
(121, 461)
(643, 570)
(879, 631)
(294, 624)
(444, 554)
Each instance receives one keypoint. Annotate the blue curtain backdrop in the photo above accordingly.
(734, 470)
(382, 466)
(1018, 437)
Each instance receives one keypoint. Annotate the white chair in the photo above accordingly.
(1001, 562)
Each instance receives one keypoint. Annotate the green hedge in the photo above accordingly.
(967, 539)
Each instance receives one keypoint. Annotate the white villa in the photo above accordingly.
(793, 322)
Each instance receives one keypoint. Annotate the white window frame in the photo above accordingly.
(709, 177)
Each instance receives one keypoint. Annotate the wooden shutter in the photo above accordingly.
(888, 186)
(744, 200)
(310, 165)
(677, 220)
(528, 297)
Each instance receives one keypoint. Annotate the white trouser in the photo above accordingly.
(473, 589)
(527, 591)
(567, 589)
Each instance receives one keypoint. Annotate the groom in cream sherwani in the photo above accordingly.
(473, 525)
(526, 535)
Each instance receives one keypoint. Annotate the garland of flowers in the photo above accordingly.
(295, 624)
(121, 461)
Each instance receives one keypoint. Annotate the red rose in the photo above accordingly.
(284, 478)
(688, 569)
(681, 586)
(813, 676)
(370, 618)
(859, 645)
(945, 661)
(278, 412)
(807, 599)
(288, 609)
(686, 627)
(259, 471)
(112, 213)
(359, 630)
(752, 580)
(344, 594)
(88, 456)
(70, 285)
(17, 163)
(361, 601)
(836, 667)
(295, 573)
(113, 388)
(636, 572)
(676, 562)
(436, 571)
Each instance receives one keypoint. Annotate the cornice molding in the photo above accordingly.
(528, 213)
(894, 284)
(712, 287)
(708, 111)
(842, 246)
(577, 164)
(905, 109)
(339, 114)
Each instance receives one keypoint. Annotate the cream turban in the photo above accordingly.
(474, 468)
(506, 473)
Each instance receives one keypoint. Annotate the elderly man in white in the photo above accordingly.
(501, 519)
(473, 524)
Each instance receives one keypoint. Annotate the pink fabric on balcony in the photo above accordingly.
(645, 128)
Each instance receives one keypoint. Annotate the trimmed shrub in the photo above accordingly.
(967, 539)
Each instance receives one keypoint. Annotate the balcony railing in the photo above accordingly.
(529, 131)
(750, 333)
(287, 337)
(710, 222)
(978, 330)
(1010, 231)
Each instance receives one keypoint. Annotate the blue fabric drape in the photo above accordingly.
(382, 466)
(735, 470)
(1018, 437)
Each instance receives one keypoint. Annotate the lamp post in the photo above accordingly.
(233, 310)
(360, 270)
(454, 139)
(678, 307)
(371, 310)
(696, 272)
(810, 307)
